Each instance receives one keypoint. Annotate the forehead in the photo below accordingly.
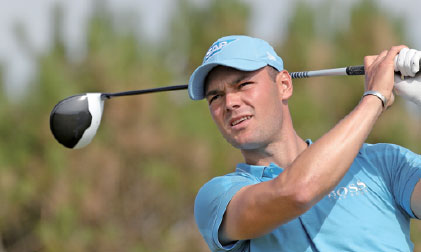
(223, 74)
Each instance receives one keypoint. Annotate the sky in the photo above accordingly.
(268, 21)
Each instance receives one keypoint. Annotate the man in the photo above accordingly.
(336, 194)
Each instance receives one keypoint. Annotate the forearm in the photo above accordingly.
(328, 159)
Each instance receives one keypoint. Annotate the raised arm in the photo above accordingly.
(257, 209)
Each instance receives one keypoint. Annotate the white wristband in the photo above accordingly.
(378, 95)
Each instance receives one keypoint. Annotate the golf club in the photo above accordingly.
(74, 121)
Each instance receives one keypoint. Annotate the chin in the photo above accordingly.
(245, 145)
(243, 141)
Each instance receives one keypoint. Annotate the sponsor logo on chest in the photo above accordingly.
(351, 190)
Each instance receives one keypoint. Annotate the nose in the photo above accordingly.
(232, 101)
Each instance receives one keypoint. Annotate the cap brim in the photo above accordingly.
(196, 86)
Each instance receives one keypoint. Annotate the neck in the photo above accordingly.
(282, 152)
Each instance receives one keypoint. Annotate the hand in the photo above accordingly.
(408, 62)
(379, 73)
(409, 88)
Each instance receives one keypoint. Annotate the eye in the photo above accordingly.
(245, 84)
(213, 98)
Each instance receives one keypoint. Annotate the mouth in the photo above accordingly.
(239, 120)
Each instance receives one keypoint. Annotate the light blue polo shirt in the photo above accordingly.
(369, 210)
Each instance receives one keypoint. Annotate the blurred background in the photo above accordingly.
(133, 187)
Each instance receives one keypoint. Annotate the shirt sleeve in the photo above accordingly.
(211, 203)
(403, 172)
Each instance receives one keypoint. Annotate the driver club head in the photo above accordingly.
(74, 121)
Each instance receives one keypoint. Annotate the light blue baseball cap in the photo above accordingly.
(240, 52)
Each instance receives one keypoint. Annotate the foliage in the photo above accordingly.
(133, 187)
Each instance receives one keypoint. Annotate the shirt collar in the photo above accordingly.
(259, 171)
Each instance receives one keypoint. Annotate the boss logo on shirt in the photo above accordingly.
(353, 189)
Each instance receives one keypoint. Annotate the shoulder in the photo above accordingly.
(380, 147)
(212, 200)
(389, 155)
(385, 150)
(222, 185)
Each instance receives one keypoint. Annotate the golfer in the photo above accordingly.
(291, 194)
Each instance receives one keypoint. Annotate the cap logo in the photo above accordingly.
(217, 47)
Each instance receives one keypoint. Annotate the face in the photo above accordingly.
(246, 106)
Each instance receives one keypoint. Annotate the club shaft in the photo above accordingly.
(350, 70)
(294, 75)
(144, 91)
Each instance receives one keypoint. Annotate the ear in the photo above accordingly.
(283, 79)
